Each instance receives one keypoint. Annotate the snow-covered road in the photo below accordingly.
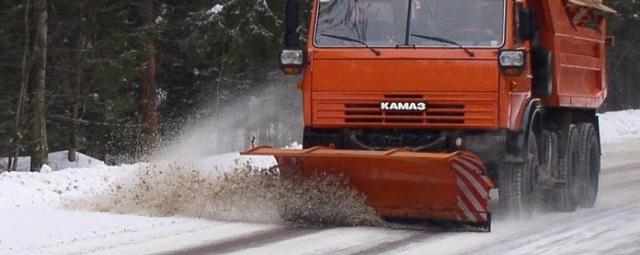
(612, 227)
(37, 216)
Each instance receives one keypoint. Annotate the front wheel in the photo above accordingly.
(516, 189)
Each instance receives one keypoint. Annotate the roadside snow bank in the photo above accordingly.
(24, 188)
(617, 126)
(57, 161)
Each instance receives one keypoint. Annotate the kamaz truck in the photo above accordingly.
(425, 106)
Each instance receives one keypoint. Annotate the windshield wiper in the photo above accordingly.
(445, 40)
(353, 40)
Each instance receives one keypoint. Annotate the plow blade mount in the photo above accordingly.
(400, 183)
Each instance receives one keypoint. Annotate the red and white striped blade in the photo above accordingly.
(473, 188)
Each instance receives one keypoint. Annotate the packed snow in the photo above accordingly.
(89, 207)
(617, 126)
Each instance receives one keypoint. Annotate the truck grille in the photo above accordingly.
(465, 110)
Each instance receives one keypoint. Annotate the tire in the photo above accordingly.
(590, 167)
(549, 163)
(516, 188)
(568, 195)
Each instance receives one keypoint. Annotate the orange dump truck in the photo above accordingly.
(426, 105)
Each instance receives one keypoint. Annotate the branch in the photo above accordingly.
(57, 117)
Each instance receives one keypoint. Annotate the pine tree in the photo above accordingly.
(148, 89)
(623, 61)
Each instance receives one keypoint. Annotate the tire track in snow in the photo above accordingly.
(622, 179)
(627, 247)
(621, 168)
(392, 245)
(250, 241)
(623, 185)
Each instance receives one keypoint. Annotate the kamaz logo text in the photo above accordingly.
(399, 106)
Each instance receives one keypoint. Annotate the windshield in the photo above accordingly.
(384, 23)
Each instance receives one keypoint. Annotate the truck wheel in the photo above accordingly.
(590, 164)
(549, 156)
(516, 189)
(568, 195)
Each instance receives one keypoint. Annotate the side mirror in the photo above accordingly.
(291, 23)
(524, 23)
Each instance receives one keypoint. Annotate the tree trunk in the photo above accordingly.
(148, 101)
(76, 100)
(75, 103)
(25, 69)
(41, 150)
(75, 124)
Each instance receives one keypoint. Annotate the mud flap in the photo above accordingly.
(400, 183)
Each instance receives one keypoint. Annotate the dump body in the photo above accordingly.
(579, 47)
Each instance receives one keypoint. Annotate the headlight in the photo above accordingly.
(292, 58)
(510, 59)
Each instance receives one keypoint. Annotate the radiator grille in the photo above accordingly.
(442, 110)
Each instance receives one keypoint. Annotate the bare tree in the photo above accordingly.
(41, 150)
(148, 100)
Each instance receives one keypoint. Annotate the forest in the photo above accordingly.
(114, 79)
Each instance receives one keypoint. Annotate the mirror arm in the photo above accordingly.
(292, 21)
(525, 22)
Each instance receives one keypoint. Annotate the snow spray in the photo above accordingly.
(181, 180)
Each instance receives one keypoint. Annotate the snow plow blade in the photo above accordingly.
(400, 183)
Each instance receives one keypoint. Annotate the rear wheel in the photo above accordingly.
(590, 167)
(568, 195)
(516, 183)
